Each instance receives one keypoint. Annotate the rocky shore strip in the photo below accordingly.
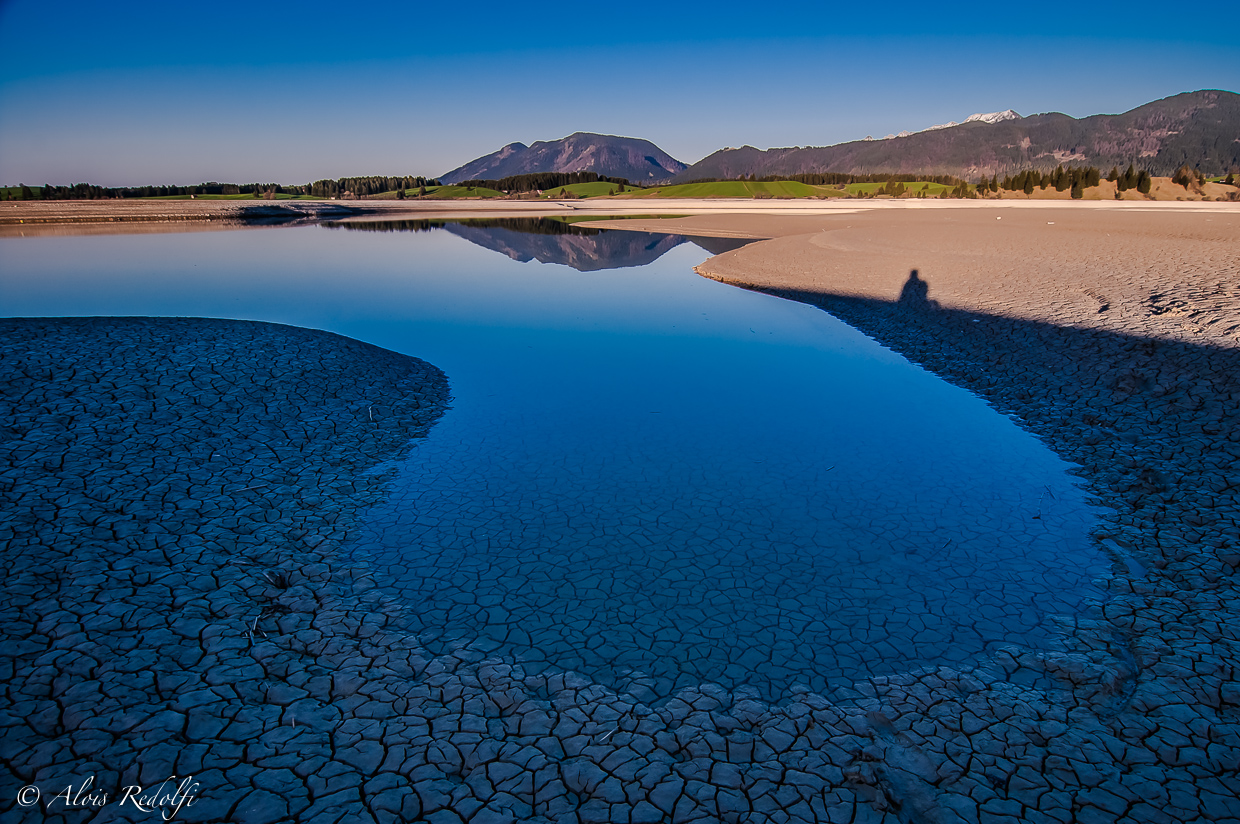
(177, 603)
(115, 216)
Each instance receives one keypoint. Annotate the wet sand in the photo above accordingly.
(201, 623)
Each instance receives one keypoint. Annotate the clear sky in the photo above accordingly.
(140, 92)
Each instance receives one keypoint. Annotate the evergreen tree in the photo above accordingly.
(1114, 174)
(1059, 179)
(1186, 176)
(1078, 191)
(1144, 181)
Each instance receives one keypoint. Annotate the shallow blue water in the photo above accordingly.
(646, 476)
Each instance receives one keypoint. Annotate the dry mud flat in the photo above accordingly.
(174, 604)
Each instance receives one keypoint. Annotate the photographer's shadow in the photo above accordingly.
(915, 295)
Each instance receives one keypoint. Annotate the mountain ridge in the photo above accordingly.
(631, 158)
(1201, 129)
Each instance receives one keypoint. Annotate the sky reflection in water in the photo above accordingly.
(646, 476)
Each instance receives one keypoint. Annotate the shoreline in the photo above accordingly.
(337, 712)
(125, 215)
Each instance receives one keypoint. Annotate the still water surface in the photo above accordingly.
(651, 478)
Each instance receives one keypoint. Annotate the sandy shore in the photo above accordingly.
(127, 216)
(202, 622)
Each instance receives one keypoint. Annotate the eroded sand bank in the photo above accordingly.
(221, 638)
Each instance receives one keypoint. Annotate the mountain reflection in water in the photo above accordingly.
(523, 239)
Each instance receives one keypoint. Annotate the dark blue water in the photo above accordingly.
(646, 476)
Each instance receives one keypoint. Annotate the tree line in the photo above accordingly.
(541, 181)
(365, 186)
(1074, 178)
(835, 178)
(89, 191)
(341, 187)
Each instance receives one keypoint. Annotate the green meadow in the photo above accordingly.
(596, 189)
(15, 192)
(911, 188)
(445, 193)
(741, 188)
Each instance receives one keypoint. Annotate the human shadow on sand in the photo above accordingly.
(1148, 419)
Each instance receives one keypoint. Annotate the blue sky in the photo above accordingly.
(142, 92)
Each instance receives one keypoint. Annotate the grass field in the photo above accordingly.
(448, 192)
(595, 189)
(930, 189)
(739, 188)
(15, 192)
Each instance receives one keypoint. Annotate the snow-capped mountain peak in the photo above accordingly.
(993, 117)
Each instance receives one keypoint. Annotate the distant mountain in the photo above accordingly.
(981, 117)
(1199, 128)
(637, 160)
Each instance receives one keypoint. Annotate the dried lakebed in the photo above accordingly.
(297, 691)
